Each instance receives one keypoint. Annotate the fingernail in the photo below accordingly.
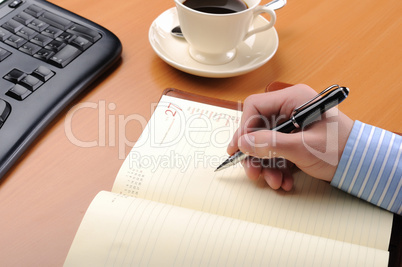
(252, 142)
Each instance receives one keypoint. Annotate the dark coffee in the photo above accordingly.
(216, 6)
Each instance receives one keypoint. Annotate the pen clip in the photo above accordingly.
(332, 87)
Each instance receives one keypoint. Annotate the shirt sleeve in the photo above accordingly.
(371, 167)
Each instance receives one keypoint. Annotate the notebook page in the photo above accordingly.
(174, 161)
(123, 231)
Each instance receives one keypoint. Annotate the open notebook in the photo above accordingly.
(169, 208)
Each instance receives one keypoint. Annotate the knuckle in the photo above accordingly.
(251, 99)
(305, 89)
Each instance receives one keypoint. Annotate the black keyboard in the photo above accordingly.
(48, 56)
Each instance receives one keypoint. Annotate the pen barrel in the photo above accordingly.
(314, 111)
(301, 119)
(285, 127)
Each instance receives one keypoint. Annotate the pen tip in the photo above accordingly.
(220, 167)
(224, 165)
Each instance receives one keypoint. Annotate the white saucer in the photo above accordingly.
(251, 54)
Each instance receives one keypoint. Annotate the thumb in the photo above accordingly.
(272, 144)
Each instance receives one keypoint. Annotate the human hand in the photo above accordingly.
(315, 149)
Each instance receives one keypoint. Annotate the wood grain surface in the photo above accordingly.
(45, 195)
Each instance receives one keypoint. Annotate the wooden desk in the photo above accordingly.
(44, 197)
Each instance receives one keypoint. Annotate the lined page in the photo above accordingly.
(124, 231)
(174, 161)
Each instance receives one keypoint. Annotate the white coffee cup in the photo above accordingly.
(212, 37)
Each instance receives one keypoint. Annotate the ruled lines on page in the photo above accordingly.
(180, 171)
(123, 231)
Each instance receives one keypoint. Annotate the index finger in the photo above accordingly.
(267, 110)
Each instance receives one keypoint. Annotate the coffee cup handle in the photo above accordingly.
(258, 10)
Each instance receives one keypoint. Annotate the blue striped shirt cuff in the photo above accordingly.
(371, 167)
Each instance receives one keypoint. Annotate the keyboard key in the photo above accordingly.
(29, 48)
(4, 34)
(41, 40)
(38, 25)
(15, 3)
(15, 76)
(65, 37)
(85, 32)
(43, 54)
(34, 10)
(55, 45)
(31, 83)
(4, 54)
(18, 92)
(5, 109)
(52, 32)
(43, 73)
(55, 20)
(81, 43)
(65, 56)
(26, 33)
(12, 25)
(23, 18)
(15, 41)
